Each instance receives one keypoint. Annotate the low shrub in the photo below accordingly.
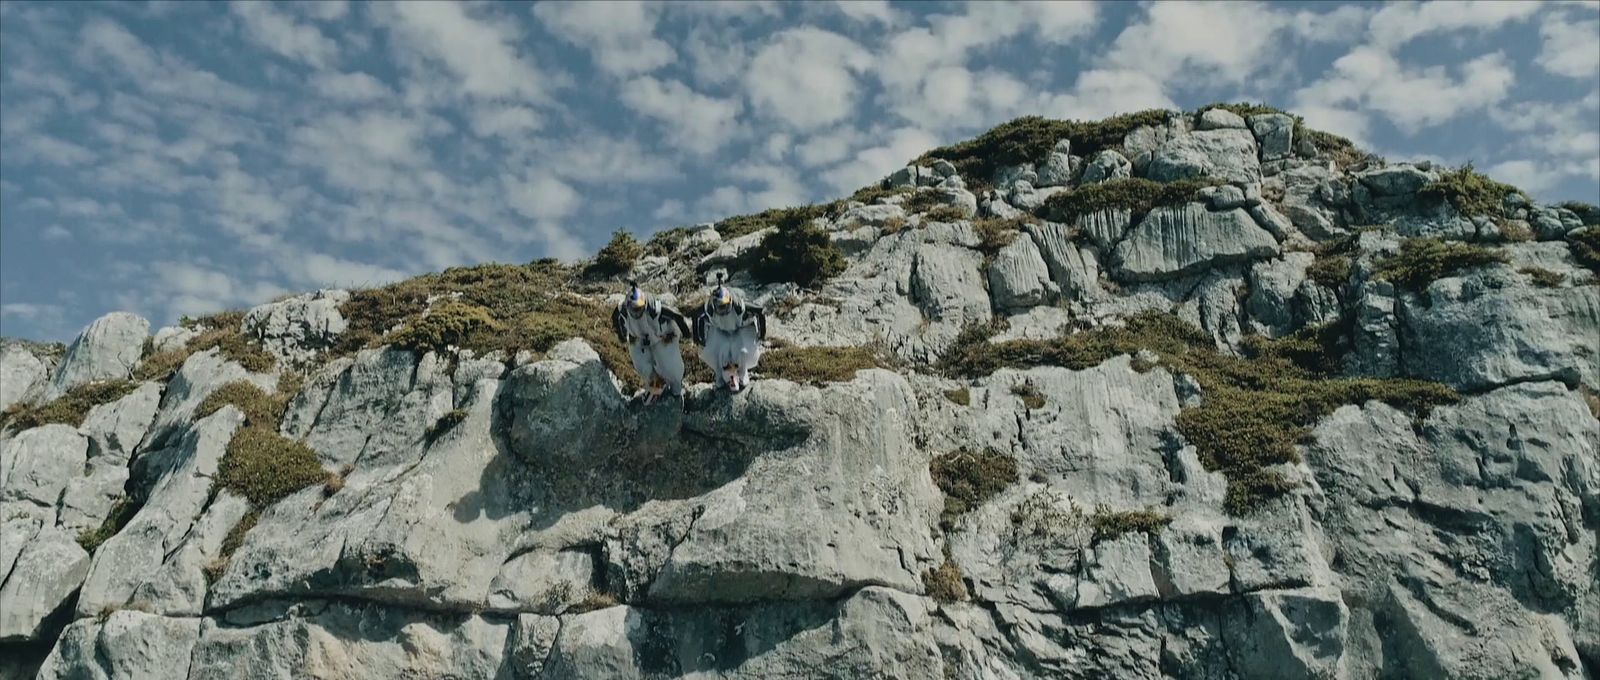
(960, 396)
(1109, 524)
(946, 583)
(1135, 194)
(1585, 247)
(68, 409)
(817, 364)
(1032, 398)
(1029, 139)
(995, 234)
(1469, 192)
(968, 478)
(1589, 213)
(121, 513)
(1421, 261)
(799, 252)
(259, 408)
(264, 467)
(1542, 277)
(448, 324)
(734, 227)
(618, 256)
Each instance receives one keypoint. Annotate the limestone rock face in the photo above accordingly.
(514, 515)
(107, 348)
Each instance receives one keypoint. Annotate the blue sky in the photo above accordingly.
(182, 158)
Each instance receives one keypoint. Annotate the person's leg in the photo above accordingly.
(643, 363)
(711, 354)
(669, 365)
(749, 353)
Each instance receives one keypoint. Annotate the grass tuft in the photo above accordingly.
(68, 409)
(264, 467)
(1469, 192)
(121, 513)
(1585, 247)
(799, 252)
(1421, 261)
(818, 365)
(946, 583)
(1543, 278)
(1109, 524)
(968, 478)
(1030, 138)
(618, 256)
(1032, 398)
(1135, 194)
(960, 396)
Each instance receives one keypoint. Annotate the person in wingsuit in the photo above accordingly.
(730, 334)
(652, 331)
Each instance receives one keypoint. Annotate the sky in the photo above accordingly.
(176, 158)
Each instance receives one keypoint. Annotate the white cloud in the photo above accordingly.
(1400, 23)
(106, 44)
(56, 232)
(874, 11)
(592, 156)
(1373, 80)
(53, 150)
(350, 87)
(481, 53)
(697, 123)
(320, 270)
(619, 35)
(1227, 41)
(1101, 93)
(874, 163)
(717, 56)
(827, 147)
(1571, 47)
(670, 210)
(805, 78)
(325, 10)
(1538, 177)
(541, 196)
(32, 313)
(504, 121)
(1343, 24)
(282, 34)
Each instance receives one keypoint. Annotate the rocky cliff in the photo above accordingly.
(1192, 395)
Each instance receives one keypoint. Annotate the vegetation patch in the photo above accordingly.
(959, 396)
(1032, 398)
(1343, 152)
(1244, 110)
(68, 409)
(618, 256)
(893, 225)
(1319, 349)
(798, 251)
(1109, 524)
(968, 478)
(946, 583)
(222, 331)
(1135, 194)
(259, 408)
(1255, 409)
(667, 241)
(877, 192)
(1331, 266)
(1589, 213)
(1421, 261)
(995, 234)
(1585, 247)
(1469, 192)
(1543, 278)
(448, 324)
(121, 513)
(818, 365)
(264, 467)
(595, 600)
(945, 213)
(230, 545)
(1029, 139)
(734, 227)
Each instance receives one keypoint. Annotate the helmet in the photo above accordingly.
(635, 303)
(721, 300)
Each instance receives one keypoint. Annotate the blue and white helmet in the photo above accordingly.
(636, 303)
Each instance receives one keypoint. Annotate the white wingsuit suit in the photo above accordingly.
(730, 334)
(652, 332)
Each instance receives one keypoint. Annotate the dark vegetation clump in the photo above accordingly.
(960, 396)
(1135, 194)
(264, 466)
(1542, 277)
(667, 241)
(873, 194)
(734, 227)
(1243, 110)
(222, 331)
(121, 513)
(1421, 261)
(1585, 247)
(968, 478)
(1343, 152)
(1109, 524)
(946, 583)
(259, 408)
(1255, 409)
(1331, 266)
(68, 409)
(230, 545)
(1469, 192)
(618, 256)
(997, 233)
(447, 324)
(1031, 397)
(798, 251)
(818, 364)
(945, 213)
(1028, 139)
(445, 422)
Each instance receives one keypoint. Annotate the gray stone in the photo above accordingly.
(1395, 180)
(46, 573)
(115, 429)
(960, 199)
(37, 464)
(1018, 276)
(1057, 169)
(870, 215)
(1179, 240)
(997, 207)
(1142, 143)
(943, 168)
(1275, 133)
(173, 338)
(543, 581)
(1226, 197)
(1477, 331)
(1295, 634)
(1073, 268)
(1009, 175)
(108, 347)
(201, 374)
(731, 250)
(23, 375)
(1106, 165)
(295, 330)
(1377, 340)
(1105, 228)
(1224, 154)
(1274, 285)
(1220, 119)
(127, 644)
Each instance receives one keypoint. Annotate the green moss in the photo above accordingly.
(1135, 194)
(1254, 410)
(799, 252)
(1585, 247)
(1029, 139)
(448, 324)
(1589, 213)
(121, 513)
(618, 256)
(68, 409)
(1319, 349)
(968, 478)
(1543, 278)
(946, 583)
(960, 396)
(1421, 261)
(1109, 524)
(1469, 192)
(264, 467)
(445, 422)
(1032, 398)
(818, 364)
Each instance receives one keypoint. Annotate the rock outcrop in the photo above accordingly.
(439, 509)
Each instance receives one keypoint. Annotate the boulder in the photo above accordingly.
(1058, 167)
(1179, 240)
(1107, 164)
(1274, 286)
(1275, 133)
(876, 215)
(1395, 180)
(1220, 119)
(47, 572)
(1226, 154)
(1073, 269)
(126, 644)
(23, 374)
(38, 463)
(173, 338)
(108, 347)
(1018, 276)
(1006, 177)
(296, 329)
(115, 429)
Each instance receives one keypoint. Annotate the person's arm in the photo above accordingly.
(619, 326)
(700, 329)
(760, 318)
(677, 320)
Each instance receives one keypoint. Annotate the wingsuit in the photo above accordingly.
(730, 334)
(651, 331)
